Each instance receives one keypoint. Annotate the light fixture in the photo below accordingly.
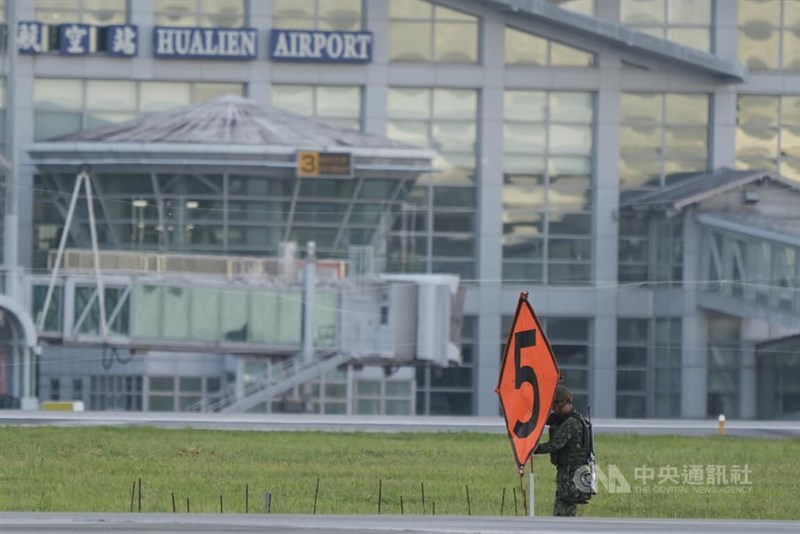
(139, 203)
(192, 204)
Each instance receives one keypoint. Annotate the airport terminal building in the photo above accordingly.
(632, 164)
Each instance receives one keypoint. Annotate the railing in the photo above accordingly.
(230, 267)
(272, 382)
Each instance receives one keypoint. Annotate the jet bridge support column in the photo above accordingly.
(309, 281)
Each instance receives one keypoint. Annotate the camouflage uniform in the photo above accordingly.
(567, 453)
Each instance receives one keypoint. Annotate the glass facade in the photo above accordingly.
(536, 205)
(663, 138)
(768, 134)
(327, 15)
(95, 12)
(724, 365)
(199, 13)
(436, 228)
(667, 368)
(648, 367)
(779, 378)
(213, 213)
(449, 391)
(769, 34)
(547, 181)
(335, 104)
(64, 105)
(423, 32)
(753, 270)
(650, 249)
(685, 22)
(522, 48)
(633, 341)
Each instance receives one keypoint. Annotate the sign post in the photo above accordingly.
(527, 384)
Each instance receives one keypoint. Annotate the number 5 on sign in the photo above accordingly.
(528, 378)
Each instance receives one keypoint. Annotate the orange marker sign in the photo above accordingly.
(528, 378)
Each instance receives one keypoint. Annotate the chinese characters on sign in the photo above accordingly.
(77, 39)
(73, 39)
(123, 40)
(30, 37)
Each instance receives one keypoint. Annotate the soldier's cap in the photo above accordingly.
(562, 394)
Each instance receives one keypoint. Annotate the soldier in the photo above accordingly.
(568, 452)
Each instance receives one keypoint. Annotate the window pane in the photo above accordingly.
(566, 56)
(454, 136)
(176, 312)
(409, 103)
(521, 197)
(410, 9)
(759, 46)
(216, 14)
(160, 96)
(760, 12)
(342, 102)
(696, 12)
(791, 49)
(631, 380)
(632, 357)
(630, 406)
(102, 95)
(642, 12)
(685, 142)
(569, 249)
(570, 223)
(525, 105)
(757, 110)
(524, 137)
(640, 142)
(176, 13)
(571, 107)
(409, 41)
(51, 94)
(525, 49)
(159, 403)
(368, 387)
(340, 15)
(295, 98)
(570, 139)
(162, 383)
(293, 9)
(640, 108)
(454, 104)
(48, 125)
(698, 38)
(99, 13)
(191, 384)
(456, 42)
(686, 109)
(207, 91)
(756, 142)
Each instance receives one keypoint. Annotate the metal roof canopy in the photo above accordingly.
(231, 132)
(699, 187)
(234, 135)
(622, 37)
